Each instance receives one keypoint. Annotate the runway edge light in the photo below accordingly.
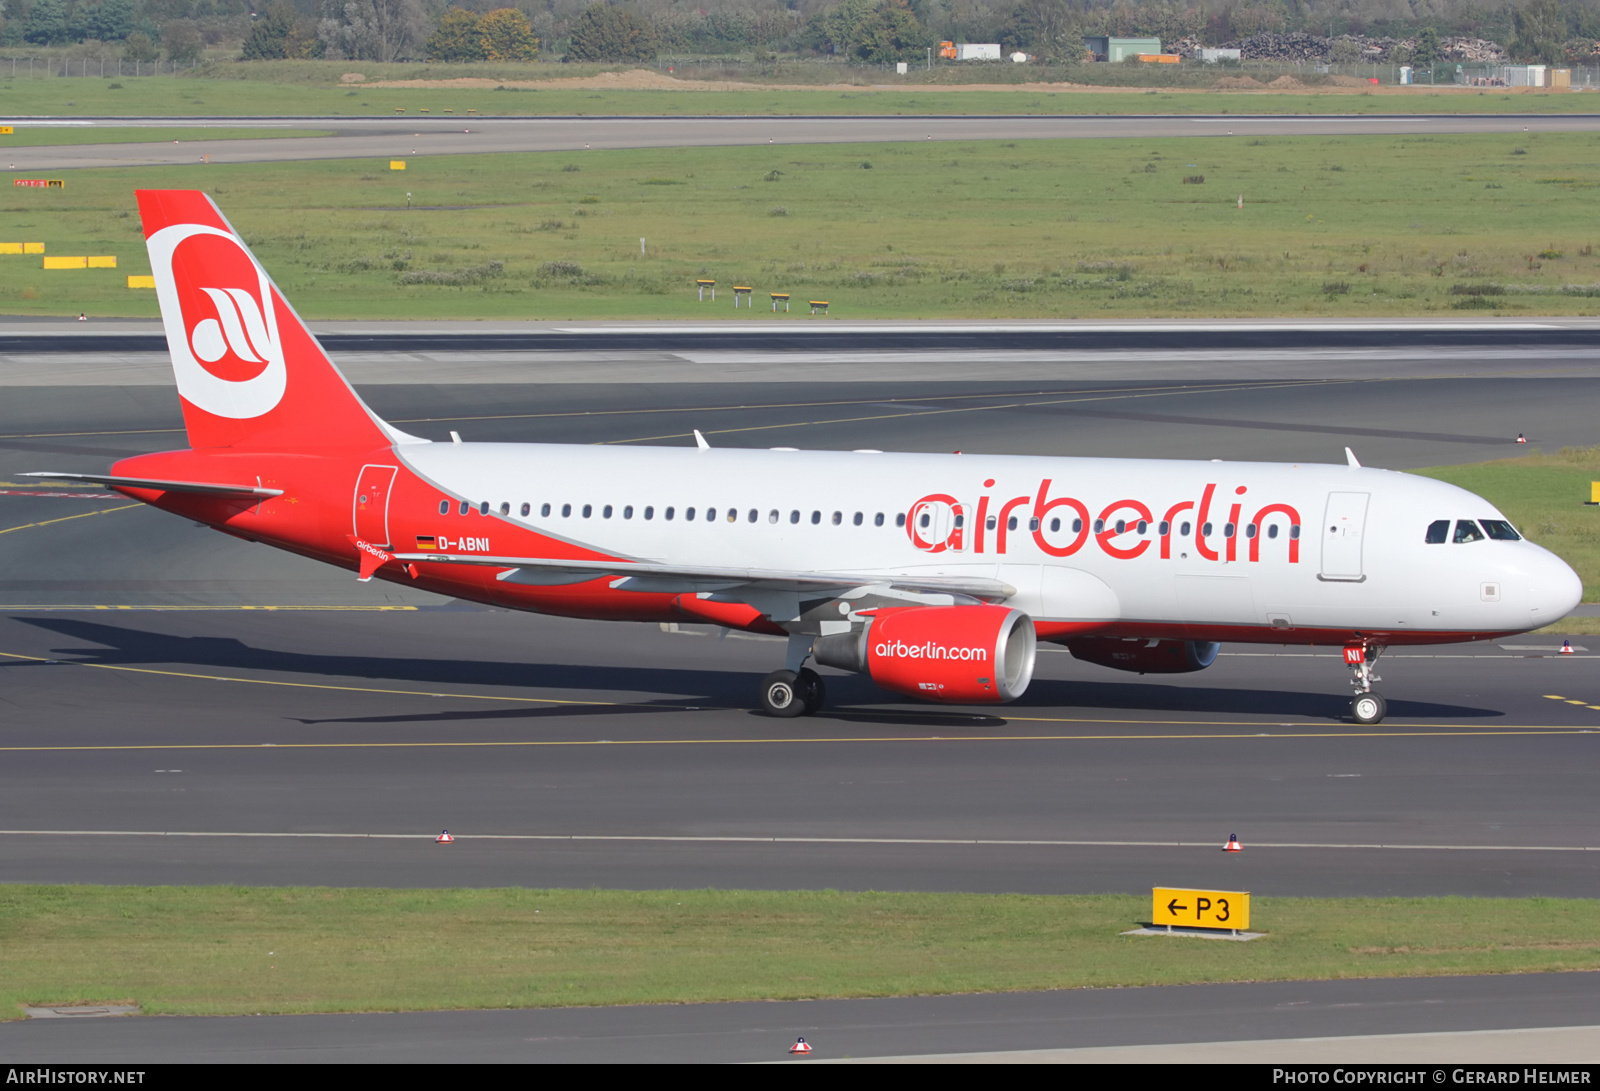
(801, 1046)
(444, 838)
(1233, 844)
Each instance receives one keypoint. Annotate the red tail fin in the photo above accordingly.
(249, 372)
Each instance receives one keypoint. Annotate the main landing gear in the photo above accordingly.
(789, 693)
(796, 690)
(1368, 707)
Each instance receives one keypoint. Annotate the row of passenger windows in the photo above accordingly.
(1468, 531)
(924, 521)
(709, 515)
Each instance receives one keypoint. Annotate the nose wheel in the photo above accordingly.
(1368, 707)
(787, 693)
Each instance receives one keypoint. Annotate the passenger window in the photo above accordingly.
(544, 510)
(925, 520)
(505, 508)
(466, 506)
(627, 511)
(754, 515)
(667, 515)
(1467, 531)
(877, 520)
(605, 512)
(794, 517)
(1205, 531)
(444, 507)
(900, 519)
(483, 508)
(733, 515)
(1163, 528)
(1294, 530)
(1438, 532)
(649, 513)
(688, 515)
(588, 510)
(816, 517)
(1122, 525)
(960, 521)
(1099, 525)
(1011, 523)
(859, 517)
(1055, 524)
(1227, 530)
(1272, 530)
(1183, 530)
(526, 508)
(1143, 526)
(1501, 531)
(838, 518)
(772, 516)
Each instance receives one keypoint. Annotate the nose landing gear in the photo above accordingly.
(1368, 707)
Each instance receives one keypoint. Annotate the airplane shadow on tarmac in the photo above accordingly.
(124, 646)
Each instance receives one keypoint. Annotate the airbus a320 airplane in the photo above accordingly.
(933, 574)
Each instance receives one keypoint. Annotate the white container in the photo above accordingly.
(1019, 58)
(1405, 73)
(900, 67)
(989, 51)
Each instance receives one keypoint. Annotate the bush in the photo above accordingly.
(1336, 287)
(1477, 289)
(605, 33)
(475, 274)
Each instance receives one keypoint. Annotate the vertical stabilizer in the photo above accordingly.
(249, 372)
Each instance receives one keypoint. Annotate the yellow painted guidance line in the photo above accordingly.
(1427, 731)
(65, 518)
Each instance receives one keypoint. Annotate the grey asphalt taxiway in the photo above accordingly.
(408, 137)
(182, 707)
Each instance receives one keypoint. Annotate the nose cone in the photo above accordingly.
(1553, 590)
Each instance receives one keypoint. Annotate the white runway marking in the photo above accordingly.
(743, 840)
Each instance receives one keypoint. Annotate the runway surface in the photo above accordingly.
(182, 707)
(1236, 1022)
(354, 138)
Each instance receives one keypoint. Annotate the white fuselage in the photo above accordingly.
(1213, 546)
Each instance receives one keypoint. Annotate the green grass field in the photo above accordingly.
(313, 88)
(223, 950)
(1543, 495)
(1331, 226)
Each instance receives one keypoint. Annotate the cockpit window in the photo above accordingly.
(1467, 531)
(1438, 532)
(1500, 530)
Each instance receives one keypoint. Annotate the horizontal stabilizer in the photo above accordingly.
(204, 488)
(663, 577)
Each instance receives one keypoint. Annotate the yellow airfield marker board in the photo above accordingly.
(1180, 907)
(397, 164)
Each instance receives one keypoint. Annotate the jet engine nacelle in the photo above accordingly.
(1146, 656)
(966, 655)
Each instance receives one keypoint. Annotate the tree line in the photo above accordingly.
(867, 31)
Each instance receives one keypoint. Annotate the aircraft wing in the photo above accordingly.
(205, 488)
(642, 576)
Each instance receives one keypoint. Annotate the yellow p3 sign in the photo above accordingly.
(1179, 907)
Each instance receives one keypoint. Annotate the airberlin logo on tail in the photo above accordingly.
(222, 330)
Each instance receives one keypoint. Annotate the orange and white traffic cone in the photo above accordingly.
(444, 838)
(800, 1046)
(1233, 844)
(1566, 648)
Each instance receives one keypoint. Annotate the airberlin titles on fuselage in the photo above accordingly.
(1060, 526)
